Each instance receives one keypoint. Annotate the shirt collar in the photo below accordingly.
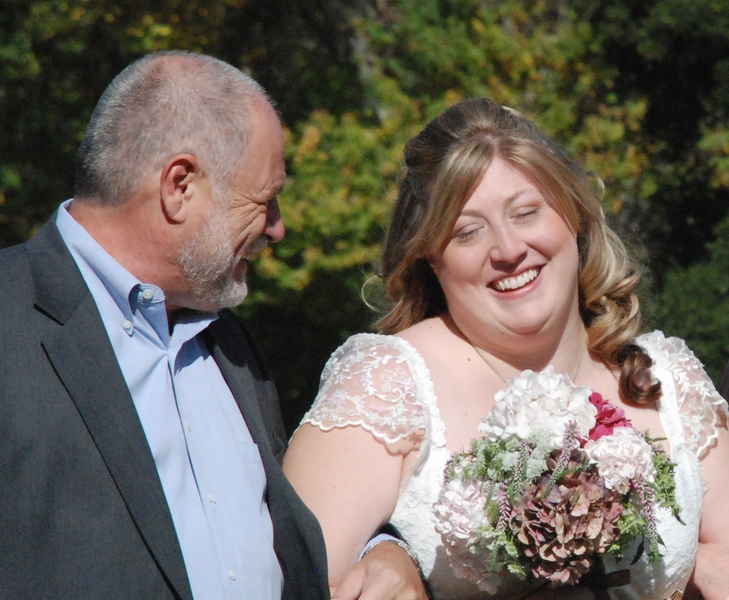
(123, 287)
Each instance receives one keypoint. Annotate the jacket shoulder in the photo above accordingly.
(15, 273)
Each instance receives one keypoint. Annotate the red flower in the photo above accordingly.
(608, 417)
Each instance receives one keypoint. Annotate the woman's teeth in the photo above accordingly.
(513, 283)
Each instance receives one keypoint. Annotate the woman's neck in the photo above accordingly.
(566, 351)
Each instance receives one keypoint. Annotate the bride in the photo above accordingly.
(498, 259)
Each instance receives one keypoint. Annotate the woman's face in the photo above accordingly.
(510, 267)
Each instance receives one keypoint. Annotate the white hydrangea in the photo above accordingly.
(620, 457)
(459, 516)
(545, 400)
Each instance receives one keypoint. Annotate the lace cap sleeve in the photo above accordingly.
(701, 408)
(369, 382)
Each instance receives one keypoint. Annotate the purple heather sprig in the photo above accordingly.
(570, 442)
(504, 508)
(647, 498)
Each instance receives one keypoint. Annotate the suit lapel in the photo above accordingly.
(236, 360)
(86, 365)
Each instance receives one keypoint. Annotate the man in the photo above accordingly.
(140, 436)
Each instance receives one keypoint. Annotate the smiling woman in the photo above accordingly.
(510, 267)
(497, 261)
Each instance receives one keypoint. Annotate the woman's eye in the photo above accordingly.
(465, 234)
(526, 214)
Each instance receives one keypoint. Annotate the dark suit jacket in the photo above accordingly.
(82, 510)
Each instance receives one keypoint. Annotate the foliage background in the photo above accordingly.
(639, 91)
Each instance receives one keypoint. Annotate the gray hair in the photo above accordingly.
(164, 104)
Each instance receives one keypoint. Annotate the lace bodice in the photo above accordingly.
(381, 383)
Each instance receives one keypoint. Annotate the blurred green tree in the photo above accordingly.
(637, 91)
(57, 56)
(674, 53)
(694, 304)
(416, 58)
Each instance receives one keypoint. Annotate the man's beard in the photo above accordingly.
(209, 264)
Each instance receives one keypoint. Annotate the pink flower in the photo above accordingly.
(621, 457)
(561, 531)
(608, 417)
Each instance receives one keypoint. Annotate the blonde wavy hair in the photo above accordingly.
(443, 166)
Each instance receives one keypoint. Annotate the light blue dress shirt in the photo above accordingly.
(210, 469)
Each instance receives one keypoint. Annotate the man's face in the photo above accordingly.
(242, 219)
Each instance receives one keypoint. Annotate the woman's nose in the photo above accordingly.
(508, 249)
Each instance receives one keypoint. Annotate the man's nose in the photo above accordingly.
(275, 229)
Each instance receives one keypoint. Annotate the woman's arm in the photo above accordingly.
(350, 481)
(711, 574)
(348, 457)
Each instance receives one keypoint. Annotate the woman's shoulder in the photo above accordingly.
(406, 345)
(374, 381)
(380, 382)
(672, 357)
(359, 341)
(687, 386)
(662, 347)
(672, 353)
(371, 350)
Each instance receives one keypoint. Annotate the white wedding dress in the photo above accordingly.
(381, 383)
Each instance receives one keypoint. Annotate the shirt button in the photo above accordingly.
(188, 426)
(212, 498)
(148, 294)
(127, 325)
(232, 574)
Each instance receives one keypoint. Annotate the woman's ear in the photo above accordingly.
(176, 179)
(434, 262)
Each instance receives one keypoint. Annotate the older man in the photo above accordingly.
(140, 434)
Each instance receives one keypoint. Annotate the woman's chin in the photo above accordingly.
(525, 328)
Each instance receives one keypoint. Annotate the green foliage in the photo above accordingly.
(632, 525)
(665, 481)
(540, 57)
(639, 92)
(341, 170)
(300, 51)
(675, 53)
(416, 59)
(694, 304)
(488, 459)
(57, 57)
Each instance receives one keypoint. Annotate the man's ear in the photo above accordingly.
(176, 181)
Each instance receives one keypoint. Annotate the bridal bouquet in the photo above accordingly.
(559, 478)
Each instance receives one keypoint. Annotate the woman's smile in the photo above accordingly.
(516, 282)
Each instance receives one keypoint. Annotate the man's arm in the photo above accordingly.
(386, 572)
